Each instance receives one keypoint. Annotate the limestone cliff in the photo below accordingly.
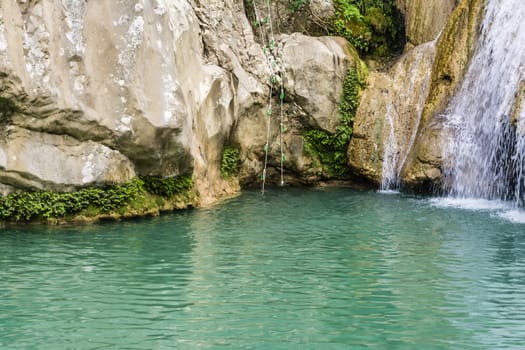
(389, 115)
(97, 92)
(425, 19)
(454, 50)
(398, 132)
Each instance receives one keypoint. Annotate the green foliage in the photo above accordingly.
(331, 148)
(167, 187)
(295, 5)
(27, 206)
(230, 162)
(373, 27)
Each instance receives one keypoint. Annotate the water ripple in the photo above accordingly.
(330, 269)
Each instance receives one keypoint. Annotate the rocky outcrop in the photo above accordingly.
(388, 117)
(455, 48)
(94, 93)
(398, 129)
(111, 74)
(424, 20)
(42, 160)
(314, 70)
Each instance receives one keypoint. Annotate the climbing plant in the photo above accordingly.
(273, 56)
(330, 148)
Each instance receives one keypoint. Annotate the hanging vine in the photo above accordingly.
(273, 57)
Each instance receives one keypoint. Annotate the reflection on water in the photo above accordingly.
(309, 269)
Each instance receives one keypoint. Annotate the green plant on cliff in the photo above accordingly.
(34, 205)
(373, 27)
(295, 5)
(167, 187)
(230, 162)
(329, 148)
(25, 206)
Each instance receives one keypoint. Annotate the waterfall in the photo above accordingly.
(390, 173)
(410, 81)
(487, 114)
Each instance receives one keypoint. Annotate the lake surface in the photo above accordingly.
(293, 269)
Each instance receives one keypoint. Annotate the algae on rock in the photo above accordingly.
(415, 146)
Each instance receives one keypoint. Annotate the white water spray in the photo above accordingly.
(487, 115)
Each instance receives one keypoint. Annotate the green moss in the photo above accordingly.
(330, 149)
(230, 162)
(91, 202)
(373, 27)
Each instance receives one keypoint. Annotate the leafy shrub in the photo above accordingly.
(373, 27)
(296, 5)
(25, 206)
(31, 205)
(230, 162)
(167, 187)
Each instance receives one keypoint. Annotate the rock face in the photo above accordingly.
(425, 19)
(96, 92)
(398, 128)
(110, 74)
(455, 48)
(389, 115)
(314, 70)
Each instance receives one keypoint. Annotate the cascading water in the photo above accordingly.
(487, 115)
(390, 174)
(403, 112)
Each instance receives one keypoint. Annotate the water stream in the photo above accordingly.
(487, 115)
(404, 111)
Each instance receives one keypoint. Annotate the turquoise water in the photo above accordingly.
(294, 269)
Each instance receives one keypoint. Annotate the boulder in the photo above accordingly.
(315, 69)
(126, 77)
(157, 88)
(35, 160)
(313, 72)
